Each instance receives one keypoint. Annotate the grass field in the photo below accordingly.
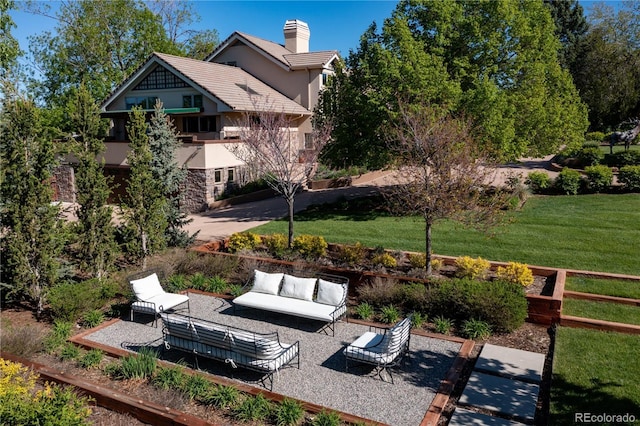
(618, 148)
(606, 311)
(607, 287)
(588, 232)
(594, 372)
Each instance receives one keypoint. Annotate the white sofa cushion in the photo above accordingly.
(147, 287)
(264, 282)
(162, 302)
(296, 307)
(298, 288)
(329, 293)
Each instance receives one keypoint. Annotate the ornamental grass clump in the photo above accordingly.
(515, 272)
(468, 267)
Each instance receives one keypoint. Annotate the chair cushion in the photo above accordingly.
(329, 293)
(298, 288)
(166, 301)
(266, 283)
(147, 287)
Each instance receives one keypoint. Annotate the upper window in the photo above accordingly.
(192, 101)
(160, 78)
(199, 124)
(144, 102)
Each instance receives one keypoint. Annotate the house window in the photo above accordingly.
(217, 176)
(192, 101)
(308, 141)
(160, 78)
(230, 175)
(199, 124)
(144, 102)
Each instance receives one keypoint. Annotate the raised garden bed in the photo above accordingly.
(544, 297)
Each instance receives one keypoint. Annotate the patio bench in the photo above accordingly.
(381, 347)
(260, 352)
(323, 298)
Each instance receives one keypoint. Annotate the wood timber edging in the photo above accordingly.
(145, 411)
(600, 298)
(594, 324)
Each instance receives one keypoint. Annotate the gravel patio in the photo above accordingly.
(322, 378)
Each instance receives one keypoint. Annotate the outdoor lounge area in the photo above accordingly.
(322, 377)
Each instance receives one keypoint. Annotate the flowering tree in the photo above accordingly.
(270, 145)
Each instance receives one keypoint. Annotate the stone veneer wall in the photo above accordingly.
(198, 189)
(64, 183)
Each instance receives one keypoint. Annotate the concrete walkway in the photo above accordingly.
(505, 382)
(216, 224)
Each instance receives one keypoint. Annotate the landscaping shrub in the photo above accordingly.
(599, 177)
(140, 366)
(92, 318)
(417, 319)
(418, 260)
(216, 284)
(209, 265)
(254, 409)
(365, 311)
(590, 156)
(352, 254)
(310, 246)
(22, 340)
(595, 136)
(198, 388)
(276, 244)
(91, 359)
(380, 291)
(413, 296)
(22, 404)
(198, 281)
(221, 396)
(69, 351)
(385, 259)
(243, 241)
(58, 335)
(515, 272)
(177, 283)
(475, 329)
(629, 177)
(538, 182)
(468, 267)
(169, 377)
(235, 290)
(389, 314)
(500, 303)
(623, 158)
(437, 264)
(443, 325)
(69, 300)
(288, 412)
(568, 181)
(326, 418)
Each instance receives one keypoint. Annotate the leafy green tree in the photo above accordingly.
(607, 70)
(571, 26)
(33, 235)
(9, 47)
(98, 42)
(144, 203)
(495, 61)
(164, 143)
(96, 233)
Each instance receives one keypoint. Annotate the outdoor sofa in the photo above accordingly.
(258, 352)
(323, 298)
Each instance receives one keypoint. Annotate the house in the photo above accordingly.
(206, 99)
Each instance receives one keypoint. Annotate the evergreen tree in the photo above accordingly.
(33, 236)
(164, 142)
(144, 202)
(571, 26)
(96, 233)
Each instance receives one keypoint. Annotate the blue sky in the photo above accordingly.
(333, 24)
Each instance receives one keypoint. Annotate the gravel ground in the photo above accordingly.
(321, 378)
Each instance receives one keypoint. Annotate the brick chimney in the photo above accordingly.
(296, 36)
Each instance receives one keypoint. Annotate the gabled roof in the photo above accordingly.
(234, 87)
(277, 52)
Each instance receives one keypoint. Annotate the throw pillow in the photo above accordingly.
(298, 288)
(264, 282)
(329, 293)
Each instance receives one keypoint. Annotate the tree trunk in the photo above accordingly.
(427, 238)
(290, 205)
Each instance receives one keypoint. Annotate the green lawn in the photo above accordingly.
(618, 148)
(589, 232)
(594, 372)
(617, 288)
(607, 311)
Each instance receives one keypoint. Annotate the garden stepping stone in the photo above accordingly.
(511, 363)
(501, 395)
(462, 417)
